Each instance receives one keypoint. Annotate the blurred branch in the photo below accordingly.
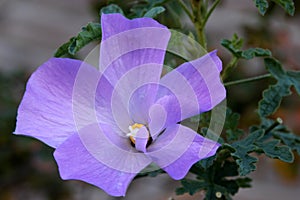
(247, 80)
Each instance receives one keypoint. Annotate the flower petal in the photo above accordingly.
(178, 148)
(46, 108)
(130, 43)
(76, 162)
(198, 86)
(112, 149)
(130, 84)
(141, 139)
(140, 101)
(165, 112)
(131, 55)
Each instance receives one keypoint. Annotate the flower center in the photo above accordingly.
(133, 132)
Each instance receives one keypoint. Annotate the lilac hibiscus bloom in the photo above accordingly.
(108, 124)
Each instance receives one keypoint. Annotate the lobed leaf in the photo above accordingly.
(272, 98)
(235, 44)
(273, 95)
(289, 139)
(154, 12)
(272, 150)
(64, 49)
(255, 52)
(112, 8)
(191, 186)
(89, 33)
(231, 124)
(262, 6)
(287, 5)
(243, 148)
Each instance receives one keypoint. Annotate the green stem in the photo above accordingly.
(274, 125)
(186, 10)
(199, 11)
(199, 16)
(230, 66)
(210, 11)
(201, 35)
(247, 80)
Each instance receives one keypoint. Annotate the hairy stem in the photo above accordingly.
(210, 11)
(186, 10)
(247, 80)
(230, 66)
(274, 125)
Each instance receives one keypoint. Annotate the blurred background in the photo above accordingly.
(30, 32)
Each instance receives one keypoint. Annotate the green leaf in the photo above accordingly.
(190, 186)
(275, 68)
(243, 148)
(255, 52)
(229, 169)
(294, 77)
(112, 8)
(273, 95)
(235, 44)
(231, 124)
(244, 182)
(155, 11)
(64, 49)
(88, 34)
(272, 150)
(287, 5)
(154, 3)
(246, 162)
(289, 139)
(272, 98)
(262, 6)
(207, 162)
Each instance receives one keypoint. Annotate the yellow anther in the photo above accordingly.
(132, 139)
(136, 125)
(133, 131)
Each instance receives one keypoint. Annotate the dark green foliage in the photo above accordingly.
(215, 176)
(191, 186)
(231, 126)
(272, 98)
(289, 139)
(273, 95)
(112, 8)
(287, 5)
(243, 148)
(256, 142)
(147, 8)
(272, 150)
(235, 44)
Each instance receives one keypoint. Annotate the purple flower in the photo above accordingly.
(108, 124)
